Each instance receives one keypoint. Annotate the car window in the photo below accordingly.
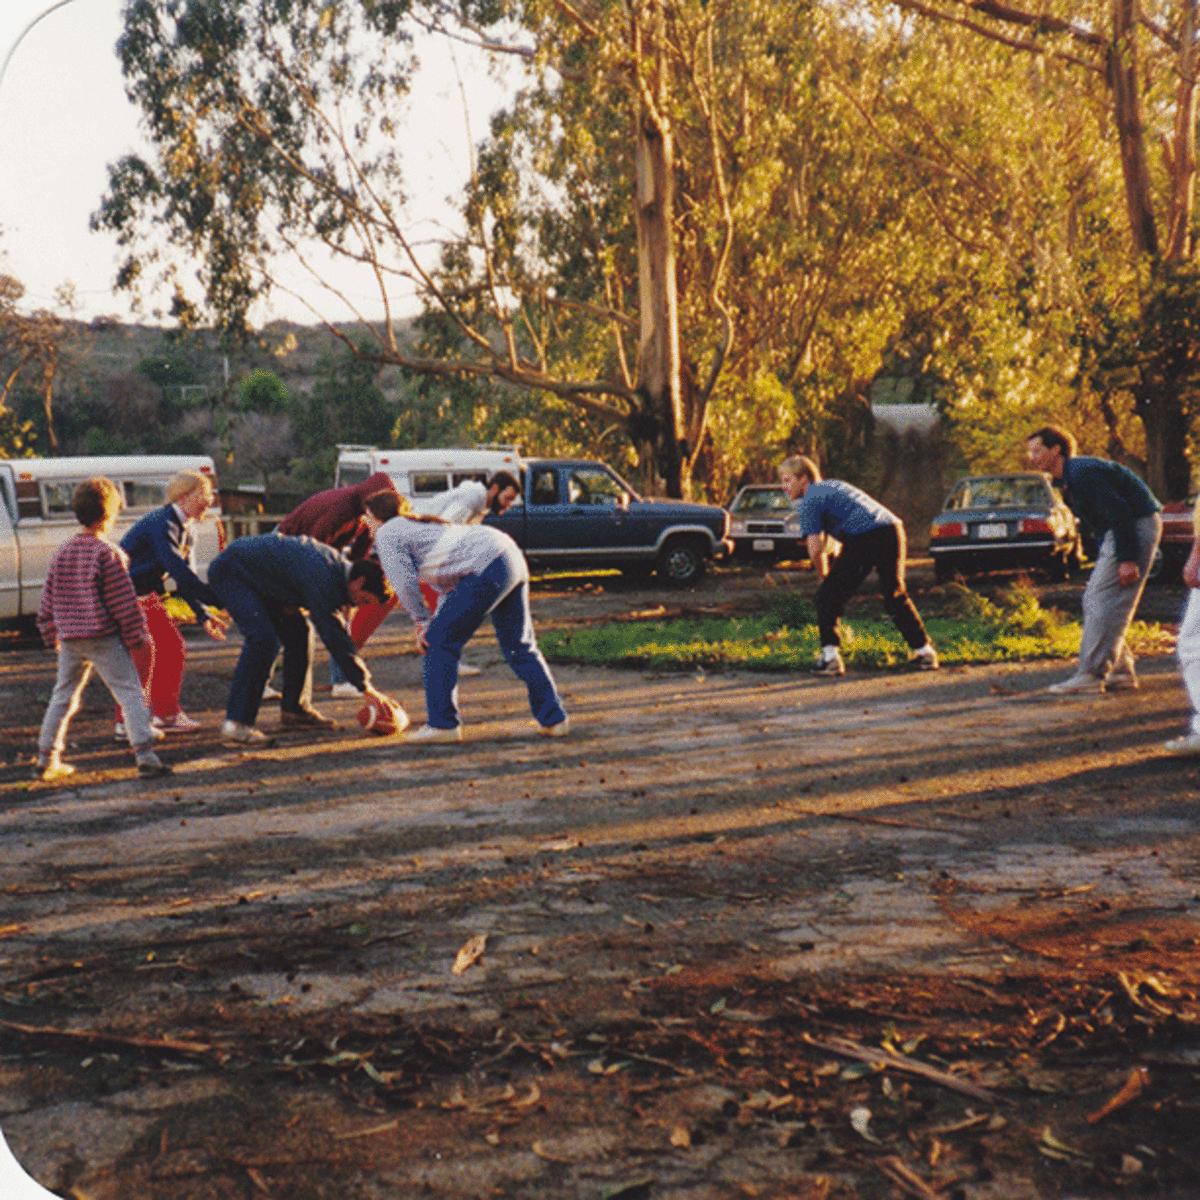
(762, 500)
(141, 495)
(544, 489)
(56, 497)
(429, 483)
(587, 485)
(999, 493)
(464, 476)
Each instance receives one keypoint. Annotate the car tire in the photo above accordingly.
(681, 562)
(943, 571)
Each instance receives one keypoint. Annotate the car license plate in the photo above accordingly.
(993, 531)
(763, 544)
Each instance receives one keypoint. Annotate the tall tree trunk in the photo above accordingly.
(49, 370)
(658, 365)
(1167, 427)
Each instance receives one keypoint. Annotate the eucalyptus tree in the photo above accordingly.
(1136, 62)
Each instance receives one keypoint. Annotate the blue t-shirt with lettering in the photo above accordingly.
(840, 510)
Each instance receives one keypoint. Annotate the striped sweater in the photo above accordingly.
(88, 593)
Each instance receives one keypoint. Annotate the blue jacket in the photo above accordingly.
(1105, 495)
(158, 545)
(300, 573)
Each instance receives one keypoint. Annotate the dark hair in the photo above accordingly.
(373, 578)
(94, 499)
(1054, 437)
(383, 506)
(505, 479)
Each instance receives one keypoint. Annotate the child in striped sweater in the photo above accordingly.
(90, 614)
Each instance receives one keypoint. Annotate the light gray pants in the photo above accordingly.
(113, 664)
(1187, 646)
(1108, 607)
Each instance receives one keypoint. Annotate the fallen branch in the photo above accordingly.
(98, 1038)
(901, 1062)
(1135, 1083)
(906, 1179)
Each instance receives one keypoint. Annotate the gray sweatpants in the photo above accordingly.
(113, 664)
(1108, 607)
(1187, 646)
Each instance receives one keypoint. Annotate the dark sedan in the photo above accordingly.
(1001, 522)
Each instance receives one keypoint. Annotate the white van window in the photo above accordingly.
(56, 498)
(29, 499)
(142, 495)
(428, 483)
(463, 476)
(352, 473)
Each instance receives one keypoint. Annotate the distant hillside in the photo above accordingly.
(104, 349)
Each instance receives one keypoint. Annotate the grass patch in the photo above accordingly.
(970, 629)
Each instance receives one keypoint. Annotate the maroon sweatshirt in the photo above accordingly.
(334, 516)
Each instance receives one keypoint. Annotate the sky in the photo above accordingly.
(64, 117)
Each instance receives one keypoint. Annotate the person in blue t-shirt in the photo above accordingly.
(872, 539)
(1122, 514)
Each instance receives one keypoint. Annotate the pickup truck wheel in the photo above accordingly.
(680, 562)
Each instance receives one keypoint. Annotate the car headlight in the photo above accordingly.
(737, 525)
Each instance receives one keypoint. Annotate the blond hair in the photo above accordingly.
(184, 484)
(801, 464)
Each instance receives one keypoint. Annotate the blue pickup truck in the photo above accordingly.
(575, 512)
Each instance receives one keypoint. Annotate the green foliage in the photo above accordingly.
(262, 391)
(170, 367)
(976, 630)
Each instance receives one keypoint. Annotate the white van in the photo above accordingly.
(419, 474)
(36, 516)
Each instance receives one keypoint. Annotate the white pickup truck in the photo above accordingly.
(36, 516)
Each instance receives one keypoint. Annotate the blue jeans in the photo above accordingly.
(265, 625)
(500, 590)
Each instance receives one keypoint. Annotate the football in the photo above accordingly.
(382, 719)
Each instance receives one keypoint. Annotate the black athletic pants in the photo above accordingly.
(880, 550)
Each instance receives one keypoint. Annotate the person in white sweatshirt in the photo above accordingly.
(476, 572)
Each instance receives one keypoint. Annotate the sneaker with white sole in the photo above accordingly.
(560, 730)
(179, 723)
(1079, 684)
(925, 660)
(832, 666)
(156, 730)
(234, 733)
(52, 771)
(430, 733)
(468, 671)
(150, 766)
(271, 692)
(344, 691)
(1187, 745)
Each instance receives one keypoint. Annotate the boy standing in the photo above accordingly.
(90, 613)
(872, 539)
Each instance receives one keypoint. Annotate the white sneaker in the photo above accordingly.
(559, 730)
(156, 729)
(925, 659)
(179, 723)
(271, 692)
(234, 733)
(829, 665)
(1187, 745)
(430, 733)
(467, 671)
(344, 691)
(1080, 684)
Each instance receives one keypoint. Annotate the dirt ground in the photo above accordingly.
(741, 936)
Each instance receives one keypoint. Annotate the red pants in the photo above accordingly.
(369, 617)
(160, 662)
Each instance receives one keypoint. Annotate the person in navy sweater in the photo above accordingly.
(265, 582)
(872, 539)
(159, 546)
(1123, 515)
